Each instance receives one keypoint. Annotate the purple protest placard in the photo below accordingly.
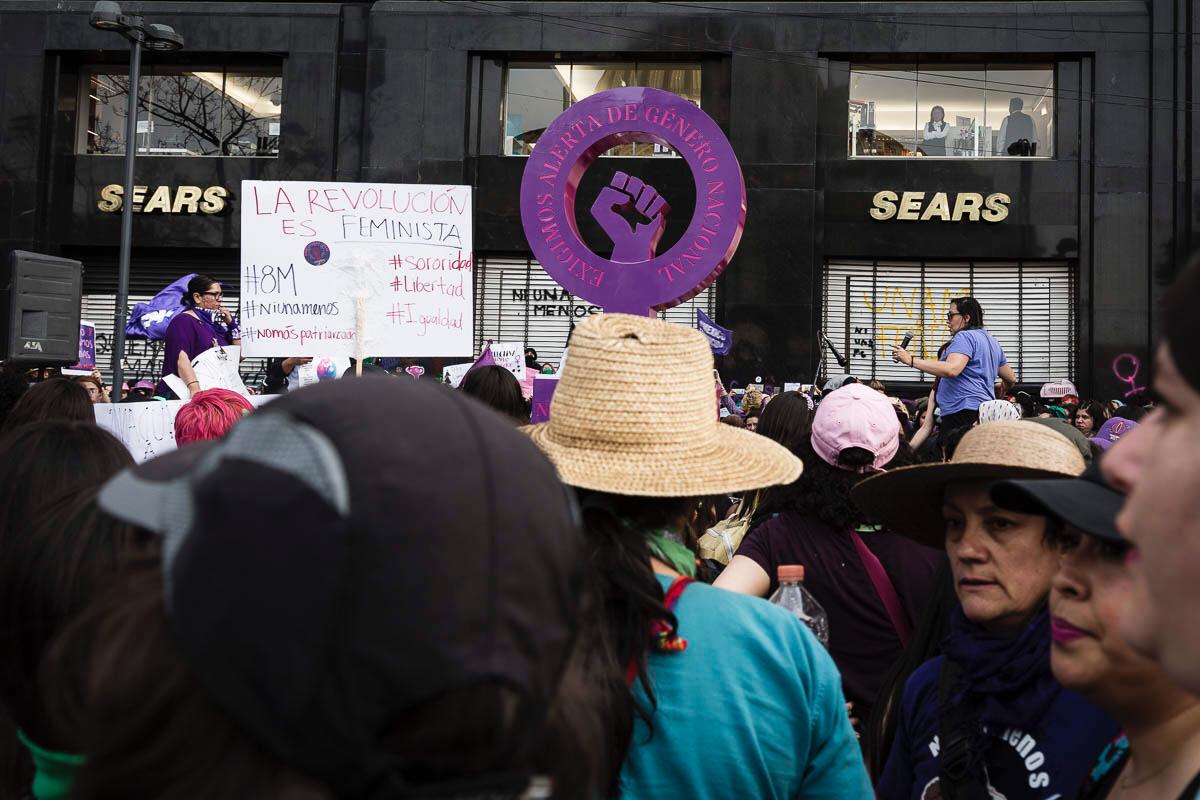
(636, 279)
(719, 339)
(543, 391)
(87, 350)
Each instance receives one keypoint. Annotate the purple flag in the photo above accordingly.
(150, 320)
(485, 358)
(543, 391)
(719, 339)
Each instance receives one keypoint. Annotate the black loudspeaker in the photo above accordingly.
(40, 297)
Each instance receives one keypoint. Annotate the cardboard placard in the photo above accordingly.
(346, 269)
(215, 368)
(511, 356)
(456, 372)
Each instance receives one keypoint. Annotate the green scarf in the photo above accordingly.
(53, 773)
(668, 550)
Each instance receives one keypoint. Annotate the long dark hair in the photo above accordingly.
(622, 601)
(198, 285)
(969, 307)
(823, 491)
(151, 729)
(926, 643)
(53, 399)
(55, 555)
(497, 388)
(786, 420)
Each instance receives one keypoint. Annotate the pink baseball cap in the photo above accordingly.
(856, 416)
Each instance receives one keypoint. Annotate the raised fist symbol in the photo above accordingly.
(632, 244)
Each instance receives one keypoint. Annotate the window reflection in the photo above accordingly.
(951, 110)
(187, 112)
(536, 93)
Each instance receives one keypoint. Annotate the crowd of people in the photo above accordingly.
(382, 587)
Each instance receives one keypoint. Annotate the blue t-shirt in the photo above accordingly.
(1048, 762)
(752, 708)
(976, 384)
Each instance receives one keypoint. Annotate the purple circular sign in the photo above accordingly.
(316, 253)
(636, 280)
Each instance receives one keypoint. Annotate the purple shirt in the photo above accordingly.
(862, 641)
(189, 335)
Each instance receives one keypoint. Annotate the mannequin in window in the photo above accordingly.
(935, 132)
(1018, 134)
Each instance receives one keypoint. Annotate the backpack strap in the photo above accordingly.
(959, 771)
(884, 588)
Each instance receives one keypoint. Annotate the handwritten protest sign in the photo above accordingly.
(215, 368)
(87, 350)
(148, 429)
(343, 269)
(454, 373)
(511, 356)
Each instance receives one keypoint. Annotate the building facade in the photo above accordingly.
(1037, 155)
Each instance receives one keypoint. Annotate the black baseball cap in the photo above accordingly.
(353, 549)
(1087, 502)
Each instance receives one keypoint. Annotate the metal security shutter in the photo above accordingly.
(143, 359)
(1028, 306)
(516, 301)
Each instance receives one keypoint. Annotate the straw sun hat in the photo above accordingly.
(603, 436)
(909, 500)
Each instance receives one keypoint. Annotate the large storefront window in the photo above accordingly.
(1028, 306)
(536, 93)
(185, 111)
(951, 110)
(516, 301)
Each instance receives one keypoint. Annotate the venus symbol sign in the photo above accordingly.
(636, 279)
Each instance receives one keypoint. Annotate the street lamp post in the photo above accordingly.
(107, 16)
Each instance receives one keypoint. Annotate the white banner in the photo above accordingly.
(343, 269)
(148, 429)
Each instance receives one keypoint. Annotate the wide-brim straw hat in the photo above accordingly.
(604, 435)
(908, 500)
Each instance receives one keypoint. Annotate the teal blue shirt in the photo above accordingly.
(753, 708)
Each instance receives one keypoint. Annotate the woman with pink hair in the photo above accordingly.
(209, 414)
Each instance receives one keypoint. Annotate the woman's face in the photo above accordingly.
(1084, 421)
(210, 298)
(1091, 589)
(1002, 567)
(94, 393)
(954, 320)
(937, 115)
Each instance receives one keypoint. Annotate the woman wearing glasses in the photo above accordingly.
(204, 325)
(969, 368)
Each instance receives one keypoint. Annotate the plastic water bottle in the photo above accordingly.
(792, 595)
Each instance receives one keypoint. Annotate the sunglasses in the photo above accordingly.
(951, 315)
